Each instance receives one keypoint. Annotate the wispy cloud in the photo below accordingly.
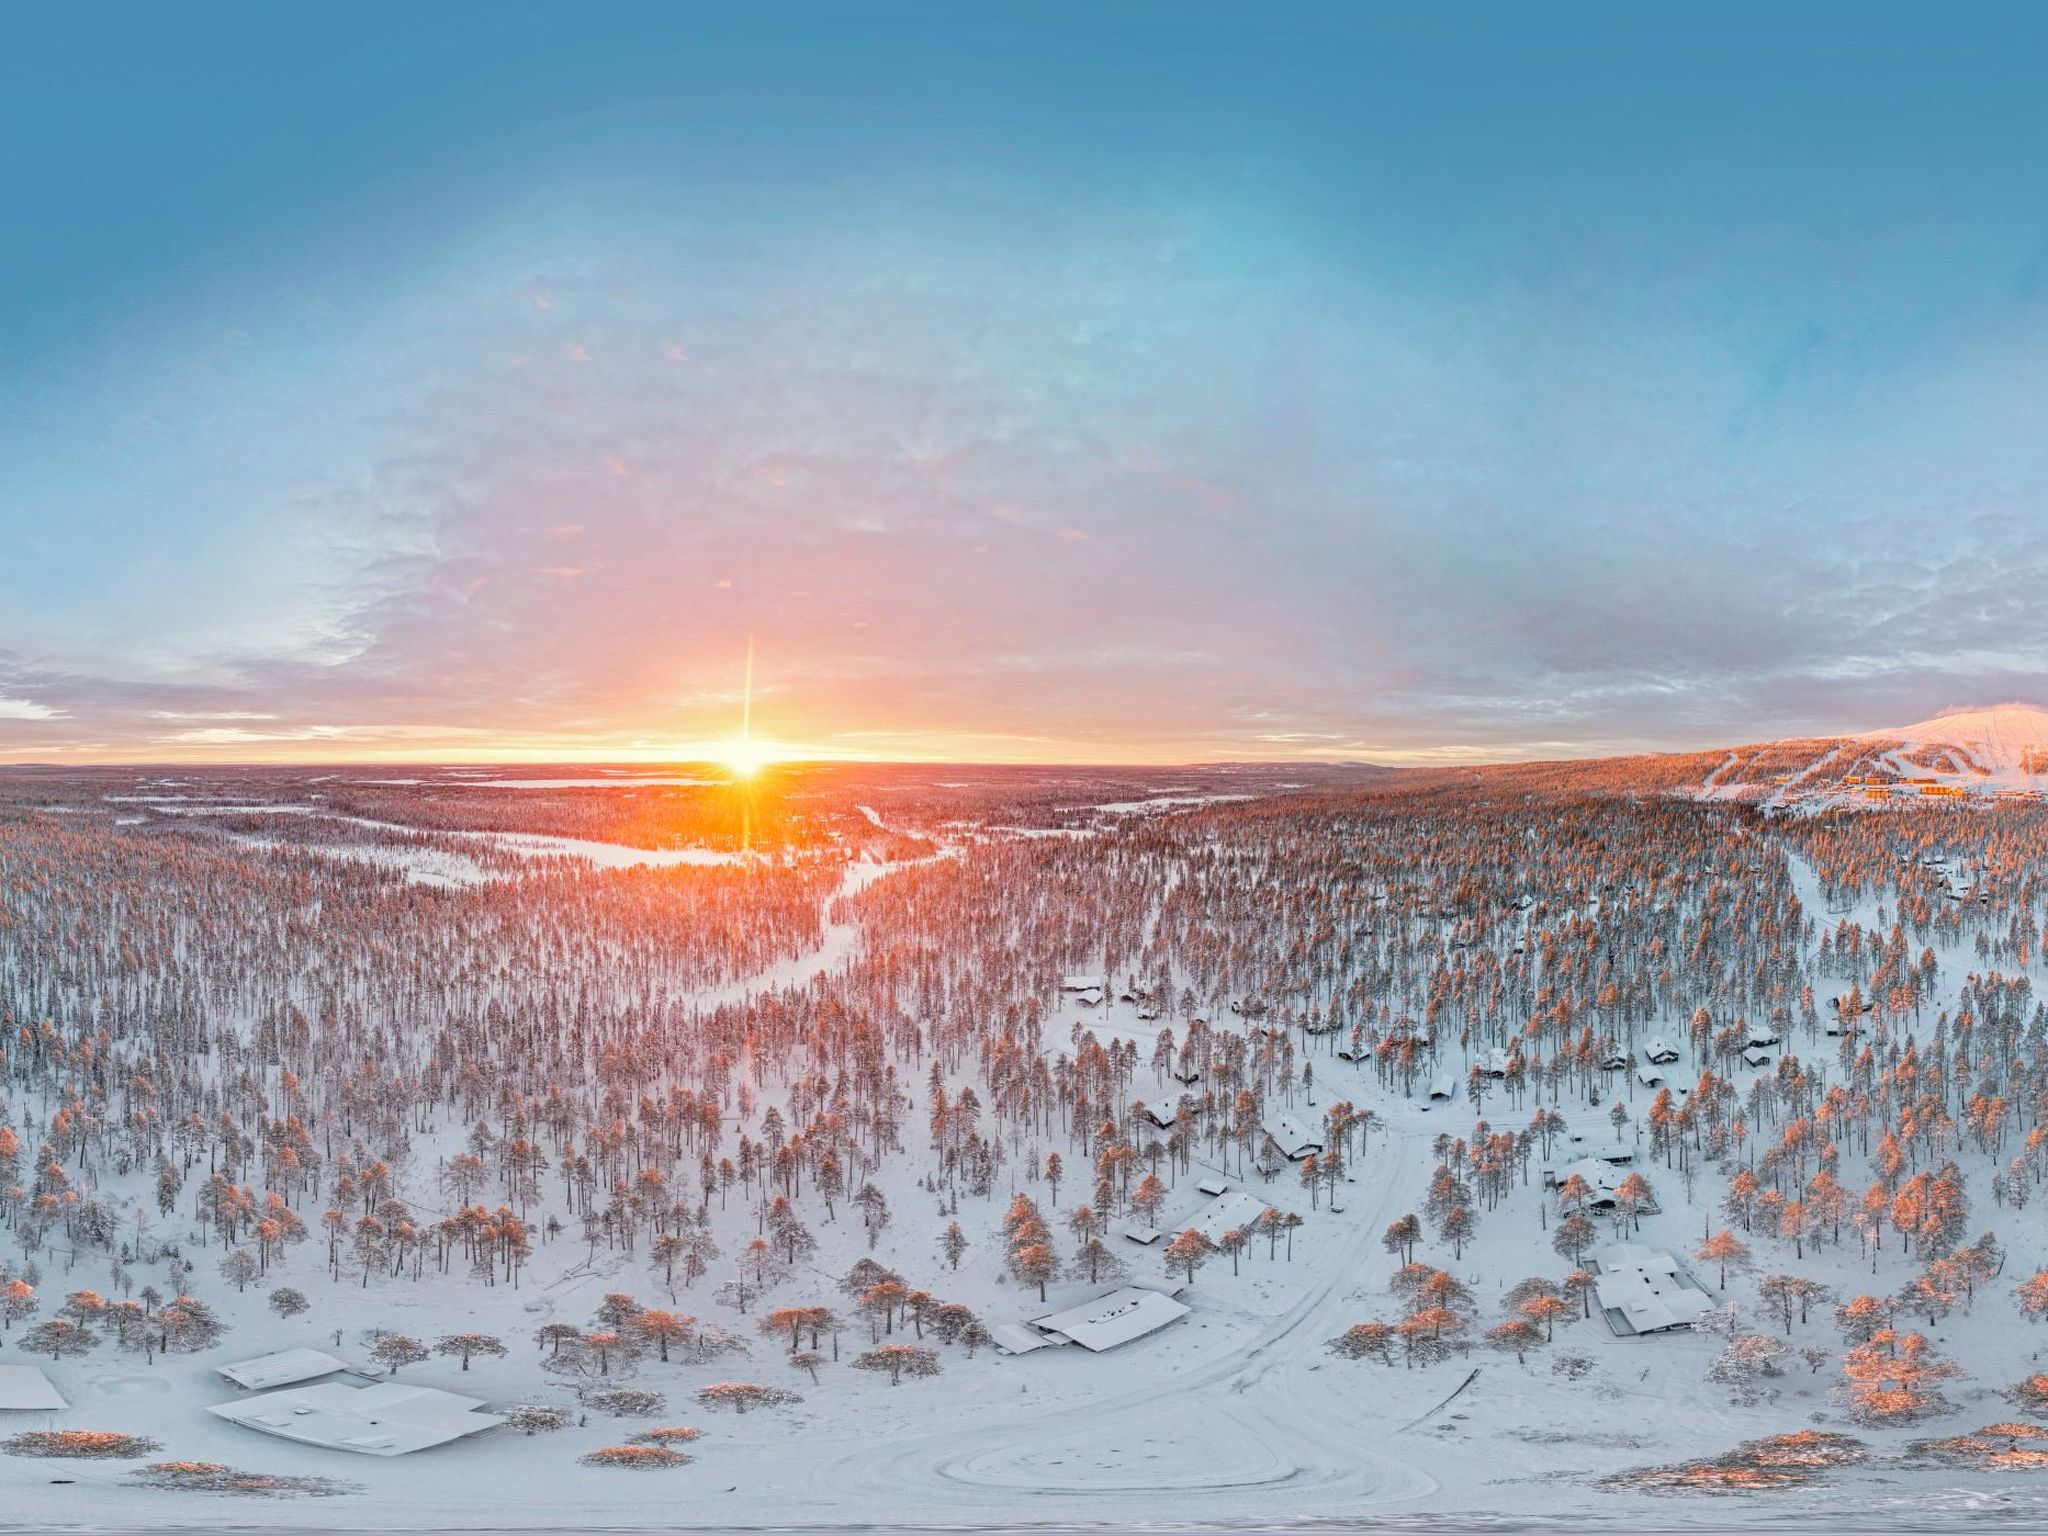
(1181, 429)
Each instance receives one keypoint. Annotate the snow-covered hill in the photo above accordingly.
(1999, 751)
(1969, 754)
(2007, 742)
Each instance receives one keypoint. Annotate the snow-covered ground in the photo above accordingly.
(1237, 1416)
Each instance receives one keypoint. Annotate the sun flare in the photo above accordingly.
(744, 756)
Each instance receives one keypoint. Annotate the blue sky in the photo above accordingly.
(1026, 381)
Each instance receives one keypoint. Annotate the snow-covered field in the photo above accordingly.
(887, 1047)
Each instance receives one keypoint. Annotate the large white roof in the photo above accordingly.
(281, 1369)
(1644, 1286)
(388, 1419)
(1107, 1321)
(27, 1389)
(1631, 1256)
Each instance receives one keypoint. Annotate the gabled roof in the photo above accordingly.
(1292, 1137)
(1017, 1339)
(1107, 1321)
(281, 1369)
(1227, 1213)
(388, 1419)
(1630, 1255)
(26, 1389)
(1651, 1295)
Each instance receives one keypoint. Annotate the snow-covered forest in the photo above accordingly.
(736, 1133)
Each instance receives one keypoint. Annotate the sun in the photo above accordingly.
(744, 756)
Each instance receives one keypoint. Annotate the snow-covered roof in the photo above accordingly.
(1213, 1186)
(1107, 1321)
(1630, 1255)
(1599, 1169)
(1227, 1213)
(1603, 1179)
(281, 1369)
(1081, 984)
(1292, 1137)
(388, 1419)
(1606, 1149)
(1445, 1086)
(1016, 1339)
(1644, 1291)
(26, 1389)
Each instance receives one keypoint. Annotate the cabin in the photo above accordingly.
(25, 1389)
(1659, 1052)
(1443, 1089)
(1641, 1290)
(284, 1368)
(1761, 1035)
(1019, 1339)
(1088, 991)
(1619, 1153)
(1614, 1059)
(388, 1419)
(1603, 1179)
(1650, 1077)
(1293, 1140)
(1755, 1056)
(1494, 1063)
(1160, 1116)
(1212, 1186)
(1111, 1320)
(1350, 1052)
(1227, 1213)
(1143, 1236)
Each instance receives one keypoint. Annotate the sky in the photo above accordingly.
(1141, 382)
